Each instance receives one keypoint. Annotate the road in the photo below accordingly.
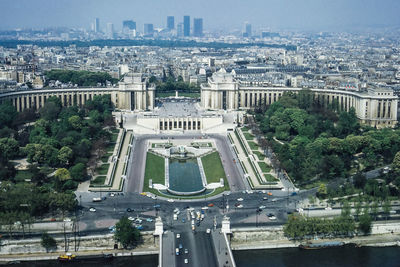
(113, 208)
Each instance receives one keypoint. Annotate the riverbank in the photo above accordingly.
(382, 234)
(86, 246)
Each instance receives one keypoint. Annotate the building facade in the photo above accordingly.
(375, 107)
(132, 94)
(186, 26)
(197, 27)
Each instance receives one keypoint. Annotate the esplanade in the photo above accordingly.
(223, 92)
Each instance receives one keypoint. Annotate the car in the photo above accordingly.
(92, 209)
(131, 218)
(262, 207)
(112, 195)
(237, 204)
(186, 251)
(139, 227)
(210, 205)
(178, 235)
(208, 230)
(53, 219)
(274, 200)
(228, 193)
(265, 198)
(138, 220)
(183, 220)
(293, 194)
(156, 206)
(272, 217)
(143, 194)
(269, 193)
(67, 220)
(149, 220)
(180, 246)
(171, 200)
(186, 261)
(177, 251)
(328, 208)
(129, 210)
(240, 199)
(240, 206)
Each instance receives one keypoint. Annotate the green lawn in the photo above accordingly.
(270, 178)
(105, 157)
(99, 180)
(114, 137)
(213, 167)
(103, 169)
(21, 176)
(155, 169)
(259, 155)
(252, 145)
(248, 136)
(245, 129)
(264, 167)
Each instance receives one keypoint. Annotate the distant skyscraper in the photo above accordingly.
(247, 30)
(179, 29)
(198, 27)
(97, 25)
(186, 26)
(129, 24)
(148, 29)
(110, 30)
(170, 22)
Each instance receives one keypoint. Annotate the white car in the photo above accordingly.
(131, 218)
(208, 230)
(171, 200)
(328, 208)
(92, 209)
(186, 261)
(240, 199)
(178, 235)
(262, 207)
(67, 220)
(272, 218)
(240, 206)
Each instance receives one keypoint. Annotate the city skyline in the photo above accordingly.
(305, 15)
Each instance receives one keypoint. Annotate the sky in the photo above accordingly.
(320, 15)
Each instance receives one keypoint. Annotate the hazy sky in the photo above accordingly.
(226, 14)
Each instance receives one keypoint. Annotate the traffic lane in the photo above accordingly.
(230, 166)
(137, 163)
(201, 250)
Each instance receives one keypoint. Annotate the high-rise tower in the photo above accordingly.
(170, 22)
(198, 27)
(186, 26)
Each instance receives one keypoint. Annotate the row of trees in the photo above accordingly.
(81, 77)
(171, 85)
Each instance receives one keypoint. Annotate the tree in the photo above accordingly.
(365, 224)
(7, 114)
(396, 163)
(387, 207)
(125, 233)
(78, 172)
(374, 209)
(76, 122)
(48, 242)
(358, 208)
(359, 180)
(346, 209)
(65, 155)
(9, 148)
(51, 109)
(62, 174)
(322, 190)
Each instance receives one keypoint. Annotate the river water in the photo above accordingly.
(343, 257)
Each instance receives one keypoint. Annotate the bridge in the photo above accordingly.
(200, 247)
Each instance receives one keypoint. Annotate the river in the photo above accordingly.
(343, 257)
